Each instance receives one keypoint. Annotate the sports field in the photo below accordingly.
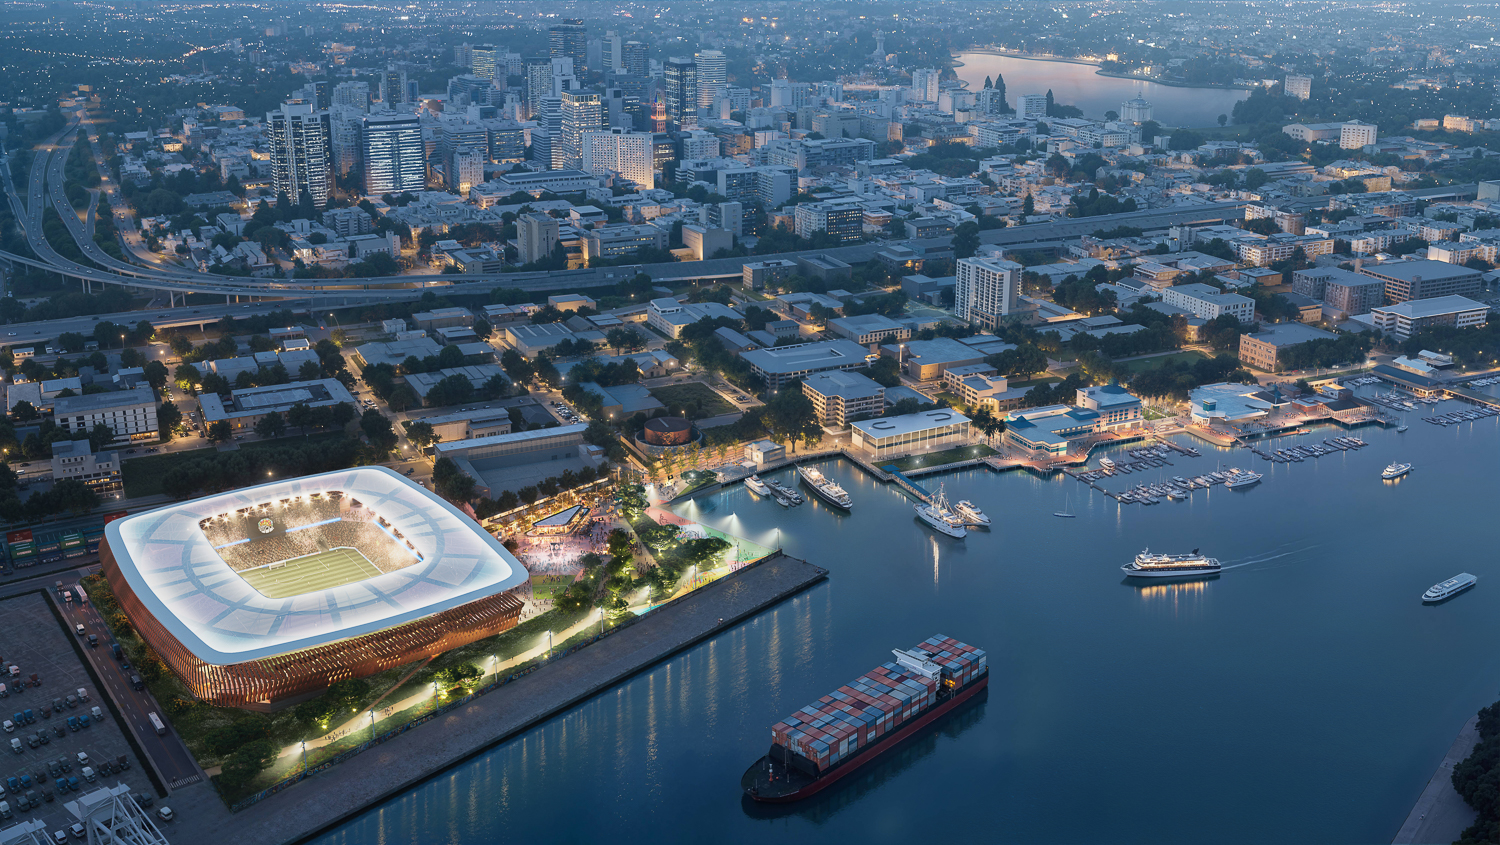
(310, 573)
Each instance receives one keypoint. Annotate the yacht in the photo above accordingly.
(825, 487)
(1148, 565)
(1106, 463)
(1450, 588)
(937, 514)
(1401, 429)
(1395, 471)
(970, 513)
(757, 486)
(1243, 478)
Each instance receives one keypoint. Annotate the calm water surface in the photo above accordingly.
(1305, 695)
(1078, 85)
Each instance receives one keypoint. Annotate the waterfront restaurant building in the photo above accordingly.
(1049, 429)
(925, 431)
(262, 594)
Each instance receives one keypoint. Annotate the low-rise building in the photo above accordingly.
(477, 374)
(759, 275)
(1404, 319)
(1229, 403)
(782, 364)
(839, 397)
(866, 329)
(393, 352)
(1116, 407)
(927, 360)
(130, 414)
(925, 431)
(442, 317)
(763, 453)
(247, 407)
(466, 425)
(1264, 349)
(1209, 302)
(76, 459)
(670, 317)
(978, 386)
(1049, 430)
(1408, 280)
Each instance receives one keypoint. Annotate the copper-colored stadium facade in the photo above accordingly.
(232, 646)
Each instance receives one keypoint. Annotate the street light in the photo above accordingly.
(549, 645)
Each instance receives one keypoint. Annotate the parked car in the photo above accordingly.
(165, 814)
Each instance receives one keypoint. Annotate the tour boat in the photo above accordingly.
(971, 513)
(825, 487)
(757, 486)
(1148, 565)
(1450, 588)
(1106, 463)
(1395, 471)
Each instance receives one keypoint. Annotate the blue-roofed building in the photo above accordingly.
(623, 399)
(1116, 406)
(1049, 429)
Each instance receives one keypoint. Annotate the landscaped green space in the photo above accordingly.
(1139, 364)
(143, 476)
(547, 587)
(933, 459)
(697, 398)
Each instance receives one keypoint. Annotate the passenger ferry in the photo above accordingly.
(1148, 565)
(824, 487)
(1395, 471)
(757, 486)
(971, 513)
(1450, 588)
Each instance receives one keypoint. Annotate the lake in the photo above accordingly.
(1078, 85)
(1305, 695)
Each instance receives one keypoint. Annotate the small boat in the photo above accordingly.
(783, 501)
(1450, 588)
(1401, 428)
(1395, 471)
(757, 486)
(971, 513)
(1066, 512)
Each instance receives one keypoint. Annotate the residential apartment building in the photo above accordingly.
(76, 459)
(839, 397)
(131, 414)
(395, 157)
(1267, 251)
(301, 141)
(844, 219)
(1209, 302)
(630, 154)
(986, 290)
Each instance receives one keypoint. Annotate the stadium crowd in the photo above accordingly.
(240, 542)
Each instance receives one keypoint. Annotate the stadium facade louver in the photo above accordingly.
(441, 582)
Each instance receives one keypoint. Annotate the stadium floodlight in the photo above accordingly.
(265, 605)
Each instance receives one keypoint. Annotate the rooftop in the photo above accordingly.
(848, 385)
(66, 405)
(1418, 308)
(1290, 334)
(188, 587)
(1427, 271)
(515, 437)
(807, 356)
(910, 423)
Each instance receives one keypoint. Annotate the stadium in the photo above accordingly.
(265, 594)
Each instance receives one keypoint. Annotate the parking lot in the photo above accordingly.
(34, 641)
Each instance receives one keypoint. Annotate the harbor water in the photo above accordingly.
(1303, 695)
(1079, 85)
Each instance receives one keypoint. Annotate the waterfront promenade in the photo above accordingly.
(397, 765)
(1441, 814)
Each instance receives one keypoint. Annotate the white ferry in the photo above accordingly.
(1450, 588)
(1243, 478)
(825, 487)
(1395, 471)
(937, 514)
(971, 513)
(1106, 463)
(1148, 565)
(757, 486)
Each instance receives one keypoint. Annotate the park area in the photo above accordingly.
(1139, 364)
(695, 397)
(947, 456)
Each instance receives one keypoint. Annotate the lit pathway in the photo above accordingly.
(362, 721)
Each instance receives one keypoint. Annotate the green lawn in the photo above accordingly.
(949, 456)
(1151, 363)
(142, 476)
(310, 573)
(709, 402)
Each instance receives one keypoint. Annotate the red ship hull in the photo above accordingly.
(889, 742)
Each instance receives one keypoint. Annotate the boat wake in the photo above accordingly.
(1274, 555)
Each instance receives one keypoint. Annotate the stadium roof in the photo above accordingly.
(172, 567)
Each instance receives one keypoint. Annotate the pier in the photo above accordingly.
(908, 485)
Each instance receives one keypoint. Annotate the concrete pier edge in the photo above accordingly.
(1440, 814)
(258, 823)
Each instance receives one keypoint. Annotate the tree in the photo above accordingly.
(271, 426)
(101, 435)
(249, 760)
(966, 239)
(73, 496)
(24, 412)
(168, 417)
(1028, 206)
(155, 373)
(220, 432)
(450, 482)
(1223, 119)
(377, 428)
(309, 371)
(421, 434)
(343, 413)
(299, 415)
(132, 358)
(187, 377)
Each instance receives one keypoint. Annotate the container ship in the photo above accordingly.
(835, 735)
(825, 488)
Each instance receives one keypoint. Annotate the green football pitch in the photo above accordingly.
(310, 573)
